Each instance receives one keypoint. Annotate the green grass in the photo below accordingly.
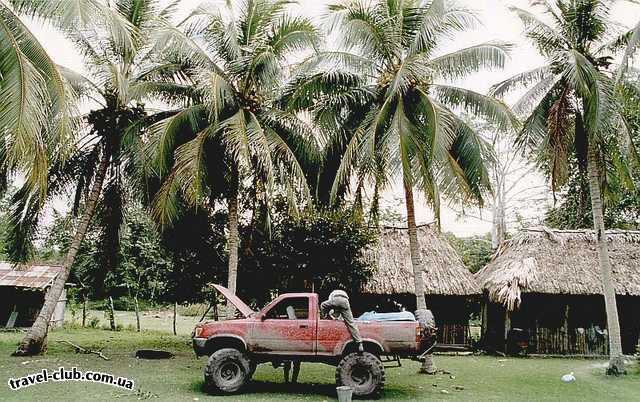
(154, 320)
(483, 377)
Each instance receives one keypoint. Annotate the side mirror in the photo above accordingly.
(263, 317)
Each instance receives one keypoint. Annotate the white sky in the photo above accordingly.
(498, 24)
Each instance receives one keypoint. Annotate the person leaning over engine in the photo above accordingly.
(338, 302)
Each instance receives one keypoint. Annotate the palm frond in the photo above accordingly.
(490, 108)
(520, 80)
(77, 14)
(632, 48)
(165, 134)
(546, 38)
(291, 34)
(438, 20)
(482, 57)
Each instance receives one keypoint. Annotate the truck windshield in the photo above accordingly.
(291, 308)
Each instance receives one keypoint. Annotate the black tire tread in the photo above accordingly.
(370, 359)
(210, 385)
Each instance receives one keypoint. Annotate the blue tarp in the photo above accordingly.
(399, 316)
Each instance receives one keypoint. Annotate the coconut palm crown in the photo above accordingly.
(231, 127)
(383, 93)
(121, 52)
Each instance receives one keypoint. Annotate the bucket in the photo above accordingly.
(344, 393)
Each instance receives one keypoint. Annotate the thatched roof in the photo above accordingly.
(444, 273)
(550, 261)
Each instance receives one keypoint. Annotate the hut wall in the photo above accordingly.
(57, 320)
(629, 314)
(26, 301)
(561, 325)
(494, 328)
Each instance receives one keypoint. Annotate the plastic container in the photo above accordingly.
(344, 393)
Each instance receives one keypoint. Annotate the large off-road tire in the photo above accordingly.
(362, 372)
(227, 371)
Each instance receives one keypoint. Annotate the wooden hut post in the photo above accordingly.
(565, 329)
(507, 327)
(484, 317)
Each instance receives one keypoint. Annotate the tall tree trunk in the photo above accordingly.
(428, 366)
(35, 341)
(233, 245)
(499, 229)
(414, 248)
(616, 362)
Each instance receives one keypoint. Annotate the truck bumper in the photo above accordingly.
(199, 346)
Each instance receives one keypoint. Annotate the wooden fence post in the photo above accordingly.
(135, 303)
(84, 308)
(175, 312)
(112, 315)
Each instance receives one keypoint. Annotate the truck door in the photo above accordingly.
(285, 328)
(331, 334)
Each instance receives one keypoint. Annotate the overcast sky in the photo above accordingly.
(498, 24)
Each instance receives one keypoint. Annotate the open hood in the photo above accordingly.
(235, 300)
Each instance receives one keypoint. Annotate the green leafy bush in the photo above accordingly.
(320, 251)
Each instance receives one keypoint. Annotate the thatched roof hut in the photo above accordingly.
(449, 286)
(560, 262)
(444, 272)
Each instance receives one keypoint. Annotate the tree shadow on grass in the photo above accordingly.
(259, 387)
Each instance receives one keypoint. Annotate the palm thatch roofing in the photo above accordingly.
(565, 262)
(444, 272)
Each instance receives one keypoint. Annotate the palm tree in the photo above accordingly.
(381, 94)
(36, 107)
(571, 106)
(123, 72)
(239, 63)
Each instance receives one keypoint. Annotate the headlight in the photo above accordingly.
(197, 332)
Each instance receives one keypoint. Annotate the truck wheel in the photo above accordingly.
(362, 372)
(227, 371)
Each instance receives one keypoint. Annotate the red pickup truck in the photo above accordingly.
(290, 329)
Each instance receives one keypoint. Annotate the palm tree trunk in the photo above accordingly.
(616, 362)
(414, 248)
(233, 245)
(428, 366)
(35, 341)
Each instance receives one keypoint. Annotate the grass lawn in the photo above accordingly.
(483, 378)
(160, 320)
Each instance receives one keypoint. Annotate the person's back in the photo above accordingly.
(338, 302)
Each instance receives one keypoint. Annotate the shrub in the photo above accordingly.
(94, 322)
(322, 251)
